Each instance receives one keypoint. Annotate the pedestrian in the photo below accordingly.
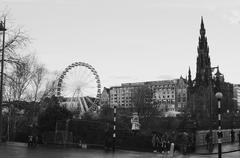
(35, 140)
(239, 137)
(30, 141)
(232, 136)
(158, 142)
(154, 142)
(209, 140)
(165, 147)
(160, 145)
(168, 145)
(107, 143)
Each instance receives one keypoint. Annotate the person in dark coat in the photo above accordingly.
(168, 145)
(30, 141)
(108, 140)
(209, 140)
(232, 136)
(239, 137)
(155, 141)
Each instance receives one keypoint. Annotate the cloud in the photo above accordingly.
(165, 77)
(18, 1)
(122, 77)
(233, 16)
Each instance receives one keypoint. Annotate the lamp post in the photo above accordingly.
(211, 69)
(3, 29)
(219, 96)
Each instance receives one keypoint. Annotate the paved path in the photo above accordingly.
(225, 148)
(20, 150)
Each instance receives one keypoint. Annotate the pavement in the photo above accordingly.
(20, 150)
(226, 148)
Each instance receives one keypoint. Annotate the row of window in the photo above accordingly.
(167, 96)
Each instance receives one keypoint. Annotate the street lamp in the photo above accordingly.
(211, 69)
(3, 29)
(219, 96)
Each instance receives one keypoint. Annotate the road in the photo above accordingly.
(18, 150)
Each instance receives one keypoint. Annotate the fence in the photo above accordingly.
(59, 137)
(200, 136)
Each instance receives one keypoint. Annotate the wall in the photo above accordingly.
(200, 136)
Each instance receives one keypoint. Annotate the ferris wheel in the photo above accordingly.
(79, 88)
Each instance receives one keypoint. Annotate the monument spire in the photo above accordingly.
(189, 78)
(203, 60)
(202, 29)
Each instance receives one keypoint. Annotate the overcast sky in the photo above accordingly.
(130, 40)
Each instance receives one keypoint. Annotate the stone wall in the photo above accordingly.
(200, 136)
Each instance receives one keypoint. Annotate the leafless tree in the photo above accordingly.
(51, 86)
(142, 99)
(20, 77)
(39, 73)
(15, 39)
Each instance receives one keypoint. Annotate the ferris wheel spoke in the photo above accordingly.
(68, 91)
(89, 85)
(77, 73)
(88, 89)
(91, 81)
(85, 93)
(92, 94)
(83, 74)
(86, 77)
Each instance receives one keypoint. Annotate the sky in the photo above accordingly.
(130, 40)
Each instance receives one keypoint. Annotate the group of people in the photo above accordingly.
(161, 142)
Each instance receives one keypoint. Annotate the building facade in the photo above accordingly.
(122, 96)
(181, 95)
(236, 96)
(105, 97)
(167, 95)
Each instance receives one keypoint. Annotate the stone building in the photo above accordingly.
(122, 95)
(236, 95)
(167, 95)
(181, 95)
(164, 94)
(105, 99)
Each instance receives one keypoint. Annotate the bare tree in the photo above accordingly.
(39, 73)
(20, 77)
(51, 86)
(15, 39)
(142, 99)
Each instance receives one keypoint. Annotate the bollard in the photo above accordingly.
(171, 150)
